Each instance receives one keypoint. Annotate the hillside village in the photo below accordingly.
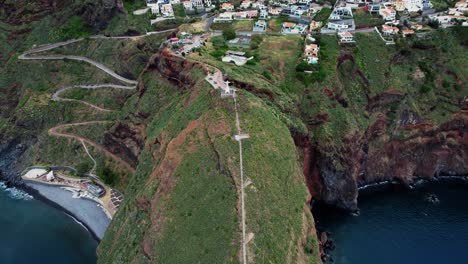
(389, 19)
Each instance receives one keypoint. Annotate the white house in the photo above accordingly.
(387, 13)
(447, 19)
(246, 4)
(274, 11)
(198, 3)
(417, 5)
(341, 25)
(50, 176)
(259, 26)
(462, 6)
(293, 28)
(340, 13)
(227, 6)
(154, 6)
(167, 11)
(407, 32)
(389, 30)
(187, 4)
(224, 17)
(311, 53)
(346, 37)
(263, 14)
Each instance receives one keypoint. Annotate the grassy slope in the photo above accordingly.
(33, 83)
(199, 213)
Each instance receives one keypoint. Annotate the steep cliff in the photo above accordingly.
(186, 191)
(367, 113)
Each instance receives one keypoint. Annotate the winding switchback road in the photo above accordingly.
(34, 54)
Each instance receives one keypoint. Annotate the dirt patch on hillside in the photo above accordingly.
(175, 151)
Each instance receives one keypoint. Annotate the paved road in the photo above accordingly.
(26, 56)
(55, 131)
(56, 95)
(209, 21)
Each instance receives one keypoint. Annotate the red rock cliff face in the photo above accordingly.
(373, 156)
(398, 145)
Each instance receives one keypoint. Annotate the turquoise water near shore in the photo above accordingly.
(397, 225)
(33, 232)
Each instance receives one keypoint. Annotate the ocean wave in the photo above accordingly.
(15, 193)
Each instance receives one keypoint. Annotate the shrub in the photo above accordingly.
(267, 75)
(425, 88)
(83, 167)
(229, 33)
(107, 175)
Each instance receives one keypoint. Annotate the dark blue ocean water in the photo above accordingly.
(32, 232)
(398, 225)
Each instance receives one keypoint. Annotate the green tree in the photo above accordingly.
(83, 167)
(107, 175)
(229, 33)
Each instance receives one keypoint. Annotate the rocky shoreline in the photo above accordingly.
(327, 245)
(84, 211)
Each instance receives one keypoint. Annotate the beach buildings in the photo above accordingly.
(95, 190)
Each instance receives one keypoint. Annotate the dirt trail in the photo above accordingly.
(132, 84)
(55, 131)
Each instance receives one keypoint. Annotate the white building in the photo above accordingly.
(50, 176)
(167, 11)
(417, 5)
(246, 4)
(187, 4)
(154, 6)
(198, 3)
(224, 17)
(227, 6)
(387, 13)
(346, 37)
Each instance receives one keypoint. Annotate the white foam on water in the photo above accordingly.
(15, 193)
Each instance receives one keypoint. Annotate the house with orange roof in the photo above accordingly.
(227, 6)
(311, 53)
(345, 37)
(407, 32)
(275, 11)
(416, 26)
(293, 28)
(388, 30)
(387, 13)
